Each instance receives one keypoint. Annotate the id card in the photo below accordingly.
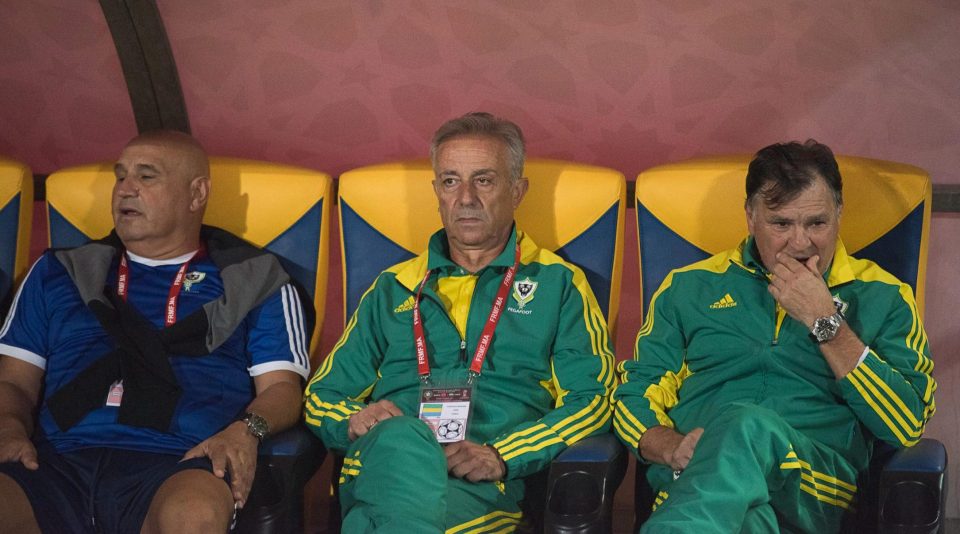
(446, 411)
(115, 396)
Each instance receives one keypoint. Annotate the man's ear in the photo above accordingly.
(520, 190)
(199, 192)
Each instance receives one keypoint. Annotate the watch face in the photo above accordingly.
(256, 425)
(825, 328)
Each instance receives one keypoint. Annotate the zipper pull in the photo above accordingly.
(463, 350)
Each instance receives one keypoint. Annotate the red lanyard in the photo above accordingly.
(476, 365)
(123, 282)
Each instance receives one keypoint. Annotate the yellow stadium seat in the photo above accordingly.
(389, 211)
(280, 208)
(691, 210)
(16, 212)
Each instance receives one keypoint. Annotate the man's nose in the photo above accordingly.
(801, 238)
(126, 188)
(466, 194)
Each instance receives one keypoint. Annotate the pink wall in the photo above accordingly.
(63, 100)
(625, 84)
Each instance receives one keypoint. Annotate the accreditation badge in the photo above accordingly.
(447, 411)
(115, 395)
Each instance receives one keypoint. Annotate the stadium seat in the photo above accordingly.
(280, 208)
(387, 214)
(691, 210)
(16, 212)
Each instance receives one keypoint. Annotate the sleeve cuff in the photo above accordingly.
(23, 355)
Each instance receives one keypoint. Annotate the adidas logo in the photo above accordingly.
(406, 306)
(726, 302)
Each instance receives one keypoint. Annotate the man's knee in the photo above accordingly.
(15, 508)
(404, 426)
(746, 421)
(401, 432)
(193, 500)
(391, 446)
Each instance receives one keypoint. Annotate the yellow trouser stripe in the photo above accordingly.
(462, 527)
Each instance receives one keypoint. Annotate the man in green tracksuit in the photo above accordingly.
(763, 375)
(543, 384)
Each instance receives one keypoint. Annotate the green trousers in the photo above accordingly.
(394, 479)
(752, 472)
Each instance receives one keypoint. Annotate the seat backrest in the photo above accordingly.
(691, 210)
(16, 217)
(389, 211)
(280, 208)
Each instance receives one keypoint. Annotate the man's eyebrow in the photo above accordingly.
(140, 168)
(146, 167)
(480, 172)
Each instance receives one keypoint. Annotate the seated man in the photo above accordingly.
(469, 367)
(156, 357)
(758, 415)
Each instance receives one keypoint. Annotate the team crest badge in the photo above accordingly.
(191, 278)
(523, 291)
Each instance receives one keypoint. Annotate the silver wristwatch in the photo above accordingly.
(256, 425)
(825, 328)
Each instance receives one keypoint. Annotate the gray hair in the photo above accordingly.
(484, 124)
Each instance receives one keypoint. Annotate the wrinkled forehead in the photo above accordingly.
(473, 149)
(168, 157)
(140, 156)
(815, 200)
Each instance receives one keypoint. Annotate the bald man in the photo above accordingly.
(139, 372)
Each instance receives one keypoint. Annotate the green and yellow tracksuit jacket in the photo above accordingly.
(547, 377)
(714, 335)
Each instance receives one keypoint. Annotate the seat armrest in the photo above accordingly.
(913, 489)
(293, 441)
(285, 462)
(581, 485)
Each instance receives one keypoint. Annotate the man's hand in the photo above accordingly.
(800, 289)
(474, 462)
(361, 422)
(16, 448)
(664, 445)
(679, 457)
(233, 450)
(20, 384)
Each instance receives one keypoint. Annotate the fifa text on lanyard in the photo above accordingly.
(115, 395)
(447, 410)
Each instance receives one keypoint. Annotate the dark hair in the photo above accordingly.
(484, 124)
(780, 172)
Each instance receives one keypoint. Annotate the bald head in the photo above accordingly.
(190, 157)
(163, 182)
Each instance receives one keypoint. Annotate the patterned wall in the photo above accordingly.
(626, 84)
(619, 83)
(63, 100)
